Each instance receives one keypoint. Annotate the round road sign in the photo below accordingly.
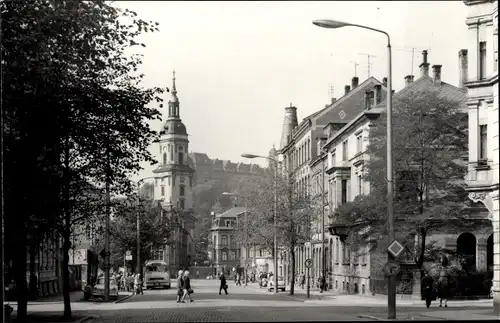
(308, 263)
(391, 269)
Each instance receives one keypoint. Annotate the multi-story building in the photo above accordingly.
(299, 151)
(481, 79)
(224, 248)
(173, 186)
(358, 270)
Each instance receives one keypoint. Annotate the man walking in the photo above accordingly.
(223, 283)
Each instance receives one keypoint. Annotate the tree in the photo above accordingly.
(293, 220)
(154, 232)
(70, 56)
(429, 140)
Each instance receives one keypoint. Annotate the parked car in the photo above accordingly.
(98, 288)
(281, 284)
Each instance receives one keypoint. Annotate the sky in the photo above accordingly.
(239, 64)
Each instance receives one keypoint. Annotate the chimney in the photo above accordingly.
(424, 67)
(378, 94)
(347, 89)
(368, 100)
(354, 82)
(436, 74)
(384, 81)
(289, 123)
(463, 67)
(333, 100)
(408, 79)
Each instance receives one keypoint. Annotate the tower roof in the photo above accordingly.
(174, 125)
(289, 124)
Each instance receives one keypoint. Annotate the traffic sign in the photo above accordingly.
(391, 269)
(128, 257)
(128, 253)
(308, 263)
(395, 248)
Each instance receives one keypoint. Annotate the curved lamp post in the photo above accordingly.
(252, 156)
(333, 24)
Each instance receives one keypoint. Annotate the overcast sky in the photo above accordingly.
(239, 64)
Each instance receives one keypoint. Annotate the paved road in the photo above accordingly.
(246, 304)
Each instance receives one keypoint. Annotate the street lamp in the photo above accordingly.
(332, 24)
(251, 156)
(138, 223)
(245, 234)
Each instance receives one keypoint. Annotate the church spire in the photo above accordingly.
(173, 104)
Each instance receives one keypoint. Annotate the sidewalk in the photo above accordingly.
(469, 315)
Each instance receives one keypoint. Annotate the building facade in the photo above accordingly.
(358, 271)
(224, 248)
(479, 73)
(303, 158)
(173, 186)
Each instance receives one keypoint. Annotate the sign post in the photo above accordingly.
(308, 264)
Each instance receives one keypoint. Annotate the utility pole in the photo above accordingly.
(369, 65)
(323, 253)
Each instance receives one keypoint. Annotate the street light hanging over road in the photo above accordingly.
(333, 24)
(251, 156)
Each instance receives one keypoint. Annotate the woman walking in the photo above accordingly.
(223, 284)
(443, 289)
(186, 287)
(180, 283)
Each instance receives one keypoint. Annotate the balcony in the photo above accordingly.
(339, 229)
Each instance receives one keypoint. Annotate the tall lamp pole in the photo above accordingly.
(138, 225)
(332, 24)
(251, 156)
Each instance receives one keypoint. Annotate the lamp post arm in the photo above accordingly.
(374, 29)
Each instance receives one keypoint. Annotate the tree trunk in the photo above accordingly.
(19, 264)
(65, 272)
(292, 260)
(420, 263)
(67, 230)
(33, 282)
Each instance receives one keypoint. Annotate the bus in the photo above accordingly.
(156, 274)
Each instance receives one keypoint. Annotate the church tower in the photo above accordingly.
(174, 186)
(174, 176)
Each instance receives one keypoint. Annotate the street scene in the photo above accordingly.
(249, 161)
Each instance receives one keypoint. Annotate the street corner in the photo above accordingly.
(123, 297)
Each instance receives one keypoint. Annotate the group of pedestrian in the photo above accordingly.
(441, 289)
(130, 282)
(184, 287)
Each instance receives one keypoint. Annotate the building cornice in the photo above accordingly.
(482, 83)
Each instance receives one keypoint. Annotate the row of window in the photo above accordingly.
(182, 180)
(342, 255)
(179, 160)
(225, 240)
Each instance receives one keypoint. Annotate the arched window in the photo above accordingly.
(181, 158)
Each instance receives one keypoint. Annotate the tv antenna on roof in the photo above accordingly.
(355, 67)
(369, 65)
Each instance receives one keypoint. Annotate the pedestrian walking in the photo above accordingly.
(186, 287)
(238, 280)
(443, 288)
(322, 283)
(428, 289)
(180, 288)
(223, 283)
(302, 280)
(138, 285)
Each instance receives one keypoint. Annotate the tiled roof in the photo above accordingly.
(233, 212)
(426, 83)
(200, 159)
(351, 104)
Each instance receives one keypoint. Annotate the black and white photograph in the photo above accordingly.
(249, 161)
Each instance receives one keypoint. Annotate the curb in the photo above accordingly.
(123, 299)
(374, 318)
(85, 319)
